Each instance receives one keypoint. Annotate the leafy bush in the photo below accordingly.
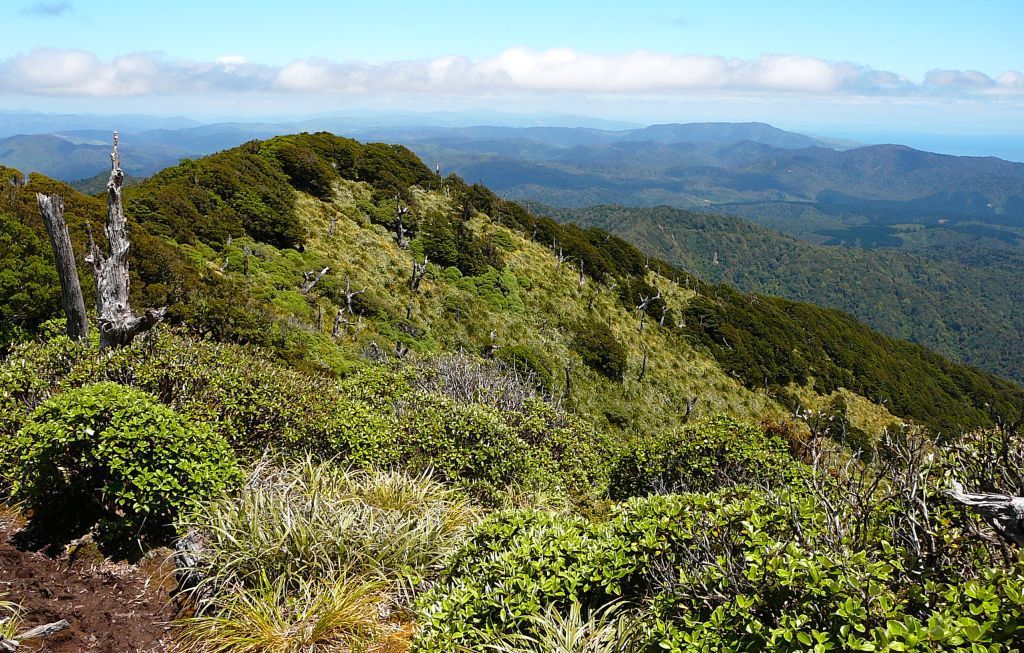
(600, 350)
(703, 457)
(113, 456)
(29, 293)
(529, 363)
(731, 571)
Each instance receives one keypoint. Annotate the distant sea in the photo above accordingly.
(1004, 146)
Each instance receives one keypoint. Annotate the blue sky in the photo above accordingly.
(942, 65)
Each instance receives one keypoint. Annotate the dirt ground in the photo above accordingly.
(111, 607)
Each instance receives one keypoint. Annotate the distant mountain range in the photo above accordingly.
(71, 154)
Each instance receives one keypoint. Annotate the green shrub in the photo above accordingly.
(729, 572)
(530, 364)
(113, 456)
(600, 350)
(702, 457)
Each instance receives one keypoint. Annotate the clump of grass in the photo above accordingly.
(609, 630)
(310, 556)
(10, 620)
(288, 616)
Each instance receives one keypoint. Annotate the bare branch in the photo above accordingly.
(52, 209)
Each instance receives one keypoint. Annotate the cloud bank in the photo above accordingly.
(79, 73)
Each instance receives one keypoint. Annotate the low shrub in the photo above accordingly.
(600, 350)
(530, 364)
(718, 453)
(115, 457)
(732, 571)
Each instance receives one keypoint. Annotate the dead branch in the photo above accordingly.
(311, 278)
(1003, 511)
(52, 209)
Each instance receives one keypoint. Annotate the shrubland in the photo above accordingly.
(392, 411)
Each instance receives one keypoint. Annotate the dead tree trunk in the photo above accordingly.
(311, 278)
(418, 272)
(52, 209)
(1003, 511)
(118, 327)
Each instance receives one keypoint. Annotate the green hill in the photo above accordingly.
(963, 303)
(225, 241)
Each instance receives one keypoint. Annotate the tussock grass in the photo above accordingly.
(312, 556)
(609, 630)
(321, 614)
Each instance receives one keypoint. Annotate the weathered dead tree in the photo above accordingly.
(583, 279)
(52, 209)
(593, 298)
(419, 270)
(401, 349)
(245, 261)
(643, 369)
(642, 308)
(118, 327)
(350, 294)
(401, 234)
(1003, 511)
(339, 319)
(664, 312)
(311, 278)
(691, 403)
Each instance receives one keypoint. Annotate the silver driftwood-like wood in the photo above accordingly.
(1005, 512)
(118, 327)
(52, 209)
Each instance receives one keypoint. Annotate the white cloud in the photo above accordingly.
(75, 73)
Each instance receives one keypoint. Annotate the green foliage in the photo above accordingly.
(776, 341)
(529, 363)
(723, 572)
(600, 350)
(450, 242)
(114, 456)
(306, 170)
(703, 457)
(29, 290)
(488, 449)
(254, 403)
(219, 196)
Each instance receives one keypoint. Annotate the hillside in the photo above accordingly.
(963, 304)
(392, 412)
(493, 283)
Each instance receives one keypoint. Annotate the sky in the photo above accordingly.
(828, 67)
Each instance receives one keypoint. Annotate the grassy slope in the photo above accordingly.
(967, 313)
(529, 302)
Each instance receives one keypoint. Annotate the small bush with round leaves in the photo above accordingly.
(716, 453)
(114, 457)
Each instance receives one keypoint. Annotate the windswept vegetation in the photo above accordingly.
(394, 412)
